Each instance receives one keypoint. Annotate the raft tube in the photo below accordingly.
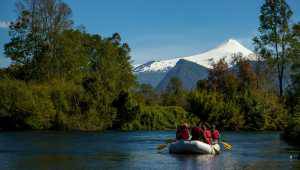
(193, 147)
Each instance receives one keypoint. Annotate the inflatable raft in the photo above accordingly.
(193, 147)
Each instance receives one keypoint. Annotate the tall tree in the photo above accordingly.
(33, 35)
(274, 36)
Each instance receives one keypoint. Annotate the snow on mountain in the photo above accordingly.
(225, 50)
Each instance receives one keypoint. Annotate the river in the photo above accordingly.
(137, 150)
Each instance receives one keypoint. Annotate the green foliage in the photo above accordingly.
(174, 95)
(34, 44)
(204, 103)
(56, 105)
(292, 132)
(159, 118)
(24, 107)
(66, 79)
(127, 108)
(263, 111)
(73, 91)
(256, 110)
(146, 94)
(233, 101)
(43, 111)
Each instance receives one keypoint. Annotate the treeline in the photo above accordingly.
(63, 78)
(73, 88)
(251, 95)
(231, 98)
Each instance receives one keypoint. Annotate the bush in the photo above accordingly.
(58, 105)
(212, 107)
(43, 110)
(159, 118)
(76, 109)
(24, 108)
(16, 104)
(292, 131)
(263, 111)
(252, 110)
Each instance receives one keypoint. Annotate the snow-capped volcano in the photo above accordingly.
(225, 50)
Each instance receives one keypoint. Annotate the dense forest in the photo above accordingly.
(63, 78)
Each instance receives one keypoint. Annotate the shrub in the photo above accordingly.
(159, 118)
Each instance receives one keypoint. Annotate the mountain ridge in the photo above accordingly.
(188, 72)
(224, 50)
(156, 72)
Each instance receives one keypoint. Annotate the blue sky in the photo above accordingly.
(160, 29)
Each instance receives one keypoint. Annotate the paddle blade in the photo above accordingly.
(161, 146)
(227, 145)
(227, 148)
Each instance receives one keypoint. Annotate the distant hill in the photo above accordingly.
(153, 78)
(225, 50)
(188, 72)
(153, 72)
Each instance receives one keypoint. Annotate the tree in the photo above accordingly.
(33, 35)
(147, 94)
(262, 68)
(295, 55)
(174, 93)
(202, 84)
(246, 74)
(108, 77)
(175, 86)
(292, 132)
(216, 75)
(274, 36)
(222, 79)
(127, 109)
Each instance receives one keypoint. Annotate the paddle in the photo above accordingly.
(227, 146)
(167, 141)
(161, 146)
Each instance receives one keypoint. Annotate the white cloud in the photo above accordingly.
(4, 24)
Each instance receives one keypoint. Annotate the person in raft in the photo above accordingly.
(182, 132)
(197, 132)
(215, 135)
(206, 135)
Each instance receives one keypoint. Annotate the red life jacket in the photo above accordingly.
(185, 135)
(215, 135)
(207, 136)
(182, 133)
(196, 133)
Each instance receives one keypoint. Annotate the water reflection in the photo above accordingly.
(195, 161)
(207, 162)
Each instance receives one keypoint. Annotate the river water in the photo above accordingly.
(137, 150)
